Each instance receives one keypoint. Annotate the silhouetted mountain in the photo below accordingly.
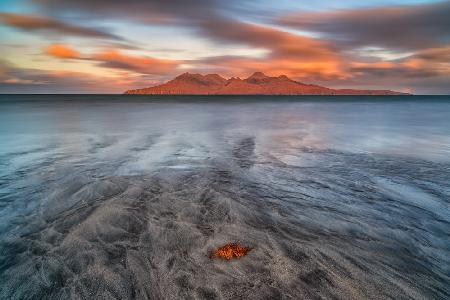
(257, 84)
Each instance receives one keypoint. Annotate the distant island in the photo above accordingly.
(257, 84)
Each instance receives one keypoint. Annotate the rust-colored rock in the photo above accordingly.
(257, 84)
(229, 251)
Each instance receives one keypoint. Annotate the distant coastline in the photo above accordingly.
(256, 84)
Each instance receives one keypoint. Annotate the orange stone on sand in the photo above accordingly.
(229, 251)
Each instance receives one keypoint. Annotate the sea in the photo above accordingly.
(126, 197)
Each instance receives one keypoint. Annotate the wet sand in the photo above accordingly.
(136, 214)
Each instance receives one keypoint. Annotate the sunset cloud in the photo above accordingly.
(294, 55)
(400, 27)
(144, 65)
(280, 43)
(300, 70)
(153, 12)
(116, 59)
(62, 51)
(432, 62)
(43, 24)
(400, 43)
(290, 53)
(14, 79)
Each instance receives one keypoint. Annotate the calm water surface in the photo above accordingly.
(119, 197)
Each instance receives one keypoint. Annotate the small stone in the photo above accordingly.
(229, 251)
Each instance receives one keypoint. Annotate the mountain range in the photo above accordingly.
(257, 84)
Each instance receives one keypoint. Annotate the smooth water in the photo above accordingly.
(122, 197)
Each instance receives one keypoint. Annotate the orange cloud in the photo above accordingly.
(279, 43)
(427, 63)
(139, 64)
(291, 54)
(299, 69)
(62, 51)
(115, 59)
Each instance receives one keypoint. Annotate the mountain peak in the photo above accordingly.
(186, 75)
(258, 75)
(215, 77)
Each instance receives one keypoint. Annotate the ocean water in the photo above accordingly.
(125, 197)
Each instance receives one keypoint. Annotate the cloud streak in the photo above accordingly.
(398, 27)
(432, 62)
(26, 80)
(143, 11)
(115, 59)
(33, 23)
(280, 43)
(143, 65)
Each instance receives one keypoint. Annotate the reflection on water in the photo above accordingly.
(117, 197)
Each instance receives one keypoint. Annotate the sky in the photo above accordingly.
(109, 46)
